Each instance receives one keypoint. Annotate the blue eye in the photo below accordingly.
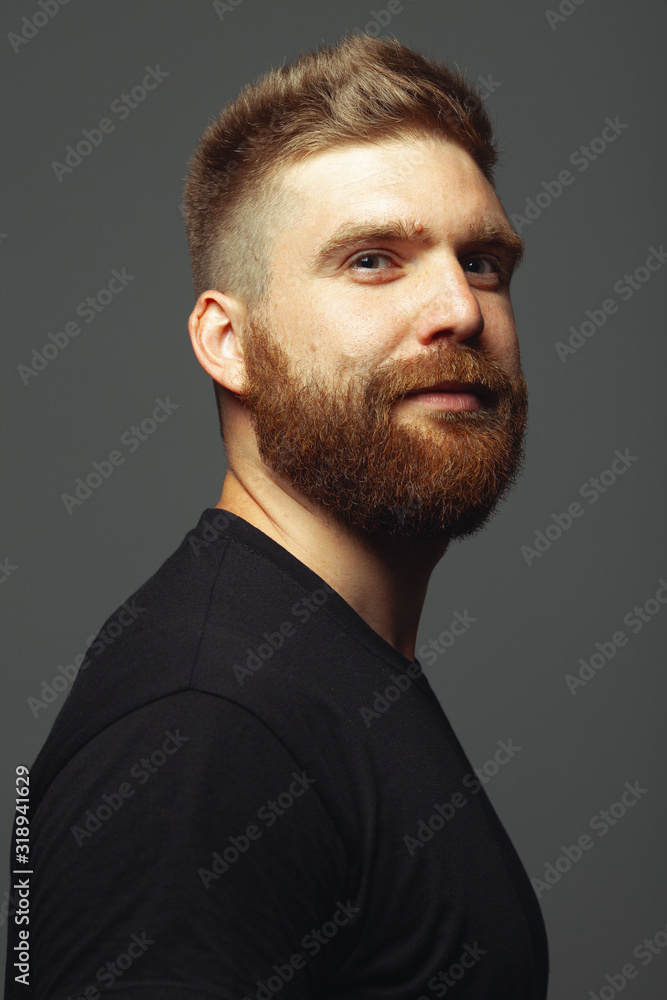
(366, 261)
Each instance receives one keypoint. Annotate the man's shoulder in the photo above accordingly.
(153, 637)
(211, 615)
(147, 648)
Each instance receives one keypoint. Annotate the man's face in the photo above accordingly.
(391, 277)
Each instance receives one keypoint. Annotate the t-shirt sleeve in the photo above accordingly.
(184, 852)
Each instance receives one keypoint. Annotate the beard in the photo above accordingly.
(338, 440)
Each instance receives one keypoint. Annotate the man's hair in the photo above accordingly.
(362, 90)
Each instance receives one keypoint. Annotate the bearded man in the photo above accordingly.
(254, 791)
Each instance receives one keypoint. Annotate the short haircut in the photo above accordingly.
(362, 90)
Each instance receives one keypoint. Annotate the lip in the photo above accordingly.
(454, 397)
(469, 387)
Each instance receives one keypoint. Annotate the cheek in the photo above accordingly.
(343, 330)
(500, 335)
(372, 339)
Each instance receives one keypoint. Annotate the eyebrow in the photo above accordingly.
(352, 234)
(498, 235)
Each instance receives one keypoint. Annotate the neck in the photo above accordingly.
(384, 581)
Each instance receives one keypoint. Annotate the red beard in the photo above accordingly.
(339, 443)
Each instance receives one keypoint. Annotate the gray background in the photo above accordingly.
(503, 679)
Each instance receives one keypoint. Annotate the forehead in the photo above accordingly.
(428, 181)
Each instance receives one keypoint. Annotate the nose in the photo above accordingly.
(450, 309)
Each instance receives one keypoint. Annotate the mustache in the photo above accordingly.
(472, 366)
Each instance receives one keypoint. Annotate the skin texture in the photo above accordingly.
(348, 334)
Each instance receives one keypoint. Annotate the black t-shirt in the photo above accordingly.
(249, 793)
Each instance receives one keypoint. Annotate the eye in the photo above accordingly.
(490, 265)
(369, 261)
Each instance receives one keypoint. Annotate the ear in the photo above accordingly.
(214, 325)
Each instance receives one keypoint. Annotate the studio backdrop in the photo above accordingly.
(556, 684)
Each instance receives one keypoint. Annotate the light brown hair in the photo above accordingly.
(363, 89)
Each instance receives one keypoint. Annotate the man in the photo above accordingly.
(253, 791)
